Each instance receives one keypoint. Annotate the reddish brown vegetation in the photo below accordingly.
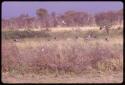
(74, 59)
(10, 56)
(71, 18)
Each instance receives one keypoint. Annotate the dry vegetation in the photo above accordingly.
(61, 53)
(86, 47)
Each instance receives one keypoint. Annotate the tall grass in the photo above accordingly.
(10, 56)
(61, 57)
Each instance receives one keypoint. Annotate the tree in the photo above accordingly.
(105, 20)
(43, 14)
(54, 19)
(69, 18)
(119, 16)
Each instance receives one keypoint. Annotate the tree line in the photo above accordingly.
(70, 18)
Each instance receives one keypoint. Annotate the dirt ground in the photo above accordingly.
(86, 78)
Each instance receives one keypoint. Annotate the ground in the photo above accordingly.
(86, 78)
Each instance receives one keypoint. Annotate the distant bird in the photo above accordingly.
(63, 22)
(16, 40)
(76, 37)
(106, 28)
(90, 37)
(100, 28)
(106, 39)
(55, 38)
(119, 28)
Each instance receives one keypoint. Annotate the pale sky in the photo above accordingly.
(15, 8)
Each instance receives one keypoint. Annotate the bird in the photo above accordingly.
(16, 40)
(119, 28)
(76, 37)
(55, 38)
(106, 39)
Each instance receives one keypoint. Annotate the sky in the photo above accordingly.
(15, 8)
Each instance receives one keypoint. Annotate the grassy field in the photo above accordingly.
(62, 53)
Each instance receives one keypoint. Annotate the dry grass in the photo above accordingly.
(67, 56)
(60, 29)
(63, 55)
